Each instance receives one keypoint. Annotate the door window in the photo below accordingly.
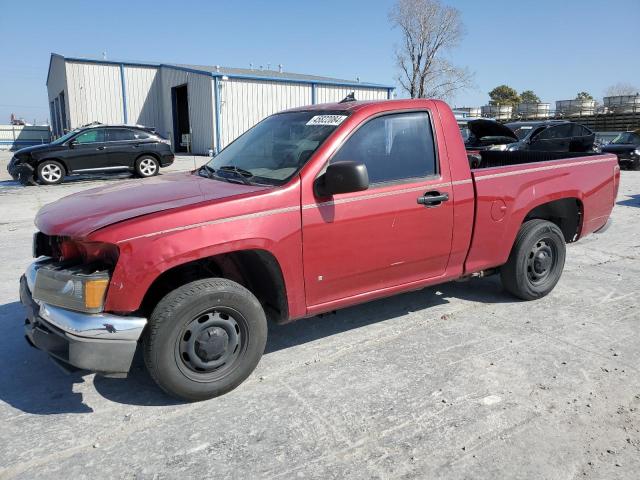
(552, 133)
(138, 135)
(393, 147)
(95, 135)
(119, 135)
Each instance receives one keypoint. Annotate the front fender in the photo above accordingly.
(143, 260)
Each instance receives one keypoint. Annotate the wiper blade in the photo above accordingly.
(207, 170)
(242, 174)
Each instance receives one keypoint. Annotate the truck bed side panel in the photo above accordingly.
(504, 197)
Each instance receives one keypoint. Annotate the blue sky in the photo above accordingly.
(555, 48)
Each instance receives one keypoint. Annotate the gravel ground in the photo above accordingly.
(456, 381)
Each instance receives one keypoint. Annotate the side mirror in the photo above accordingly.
(72, 143)
(342, 177)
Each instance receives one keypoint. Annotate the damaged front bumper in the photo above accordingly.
(101, 342)
(21, 172)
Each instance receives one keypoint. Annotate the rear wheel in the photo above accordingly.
(147, 166)
(50, 172)
(536, 260)
(205, 338)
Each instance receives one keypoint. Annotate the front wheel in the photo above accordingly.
(147, 167)
(204, 339)
(536, 260)
(50, 172)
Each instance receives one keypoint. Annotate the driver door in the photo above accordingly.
(361, 242)
(88, 152)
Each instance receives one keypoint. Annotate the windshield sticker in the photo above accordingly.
(334, 120)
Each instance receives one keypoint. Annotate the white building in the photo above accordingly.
(197, 107)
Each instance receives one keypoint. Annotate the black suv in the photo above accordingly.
(94, 148)
(544, 136)
(627, 147)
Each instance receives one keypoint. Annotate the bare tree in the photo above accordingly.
(621, 89)
(429, 29)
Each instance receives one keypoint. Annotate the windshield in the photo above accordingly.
(521, 131)
(627, 138)
(65, 137)
(276, 148)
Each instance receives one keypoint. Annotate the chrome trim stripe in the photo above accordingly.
(215, 222)
(296, 208)
(100, 169)
(371, 196)
(538, 169)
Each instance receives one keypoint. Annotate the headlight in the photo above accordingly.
(76, 288)
(500, 148)
(637, 151)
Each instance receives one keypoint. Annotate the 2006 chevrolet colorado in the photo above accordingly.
(311, 210)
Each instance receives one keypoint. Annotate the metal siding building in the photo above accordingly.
(213, 105)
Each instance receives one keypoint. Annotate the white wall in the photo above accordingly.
(95, 93)
(329, 93)
(201, 107)
(57, 83)
(142, 85)
(245, 102)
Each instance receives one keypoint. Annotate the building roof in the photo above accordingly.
(246, 73)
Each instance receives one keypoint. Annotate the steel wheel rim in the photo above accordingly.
(148, 167)
(51, 173)
(542, 261)
(210, 344)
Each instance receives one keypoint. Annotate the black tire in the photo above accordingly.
(536, 260)
(635, 164)
(147, 166)
(191, 321)
(51, 172)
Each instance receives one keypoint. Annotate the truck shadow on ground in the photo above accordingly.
(632, 201)
(30, 382)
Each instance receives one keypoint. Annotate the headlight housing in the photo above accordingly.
(499, 148)
(72, 273)
(637, 151)
(78, 287)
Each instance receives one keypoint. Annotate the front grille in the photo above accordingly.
(44, 245)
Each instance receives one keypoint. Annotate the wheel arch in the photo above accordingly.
(567, 213)
(40, 161)
(257, 270)
(147, 154)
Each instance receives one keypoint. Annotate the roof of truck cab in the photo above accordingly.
(359, 105)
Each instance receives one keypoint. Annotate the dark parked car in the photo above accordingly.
(627, 147)
(544, 136)
(95, 148)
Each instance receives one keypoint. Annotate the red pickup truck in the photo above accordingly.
(311, 210)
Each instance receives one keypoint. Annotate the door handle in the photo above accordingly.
(100, 148)
(433, 199)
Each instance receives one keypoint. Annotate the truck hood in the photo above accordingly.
(80, 214)
(489, 128)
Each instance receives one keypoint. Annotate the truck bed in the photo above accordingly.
(493, 158)
(510, 185)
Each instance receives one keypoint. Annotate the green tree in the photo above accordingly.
(504, 95)
(528, 96)
(584, 96)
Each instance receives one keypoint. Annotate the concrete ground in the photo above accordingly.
(458, 381)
